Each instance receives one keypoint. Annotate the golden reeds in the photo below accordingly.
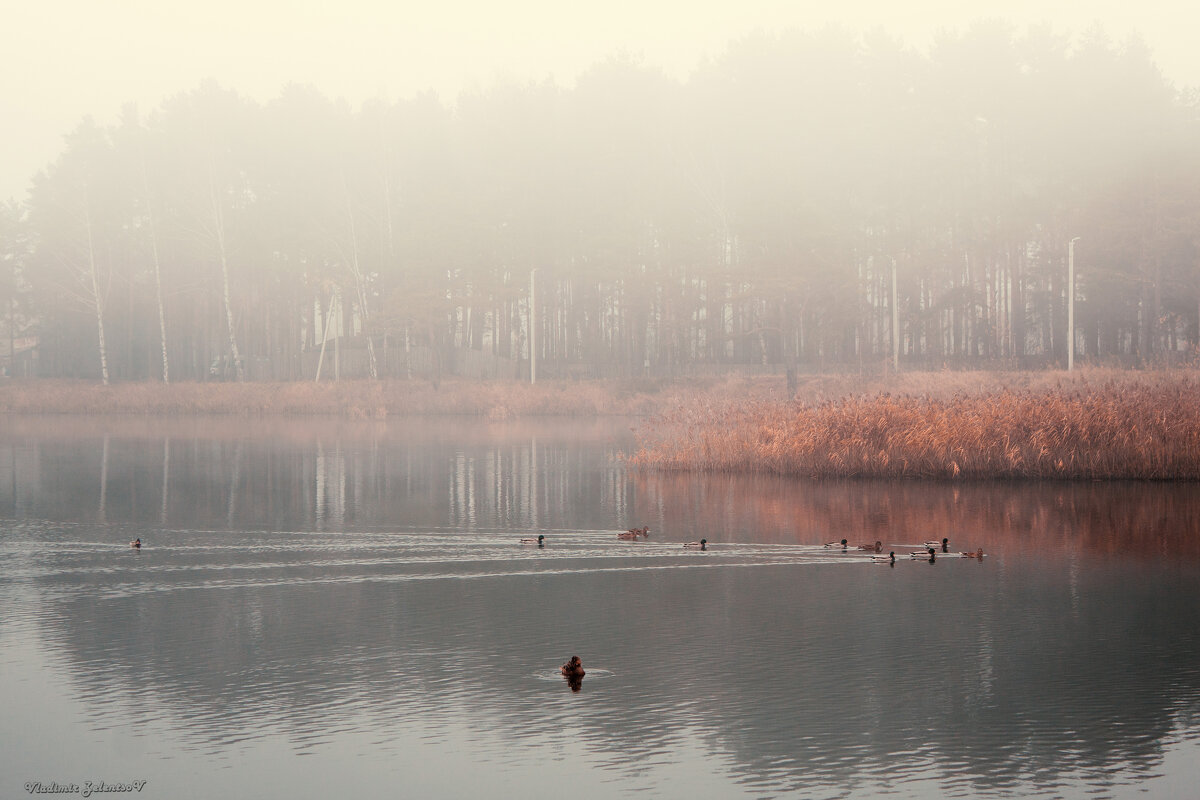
(1125, 426)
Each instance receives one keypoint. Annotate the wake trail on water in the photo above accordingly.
(180, 559)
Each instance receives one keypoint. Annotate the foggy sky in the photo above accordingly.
(66, 59)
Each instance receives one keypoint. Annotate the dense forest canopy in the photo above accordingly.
(814, 199)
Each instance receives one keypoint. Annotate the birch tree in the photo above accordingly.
(96, 300)
(360, 285)
(218, 221)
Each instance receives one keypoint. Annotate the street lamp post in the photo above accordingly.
(1071, 304)
(895, 322)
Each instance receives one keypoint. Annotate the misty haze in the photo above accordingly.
(833, 399)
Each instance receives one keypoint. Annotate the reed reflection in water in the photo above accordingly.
(317, 611)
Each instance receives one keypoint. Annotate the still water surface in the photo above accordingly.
(345, 609)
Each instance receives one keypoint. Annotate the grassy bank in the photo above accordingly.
(363, 399)
(1095, 425)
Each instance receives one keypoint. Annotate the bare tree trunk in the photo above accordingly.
(325, 337)
(219, 221)
(12, 322)
(391, 250)
(162, 316)
(359, 285)
(98, 300)
(1018, 304)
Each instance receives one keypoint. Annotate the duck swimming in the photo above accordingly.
(841, 544)
(928, 553)
(877, 547)
(890, 558)
(977, 554)
(627, 535)
(944, 544)
(539, 541)
(573, 668)
(642, 531)
(136, 543)
(700, 545)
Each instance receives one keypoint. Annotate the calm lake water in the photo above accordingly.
(329, 609)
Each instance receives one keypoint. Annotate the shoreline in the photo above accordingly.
(1092, 424)
(351, 399)
(496, 399)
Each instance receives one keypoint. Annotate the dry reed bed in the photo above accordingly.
(1129, 427)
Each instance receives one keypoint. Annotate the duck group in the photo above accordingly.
(631, 534)
(931, 549)
(928, 552)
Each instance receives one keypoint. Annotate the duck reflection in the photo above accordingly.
(285, 653)
(573, 671)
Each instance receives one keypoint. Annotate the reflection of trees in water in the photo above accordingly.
(1028, 663)
(317, 478)
(988, 681)
(1131, 519)
(797, 673)
(236, 474)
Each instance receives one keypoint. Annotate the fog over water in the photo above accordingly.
(465, 196)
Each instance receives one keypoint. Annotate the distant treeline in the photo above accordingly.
(783, 206)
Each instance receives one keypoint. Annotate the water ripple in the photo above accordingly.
(753, 668)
